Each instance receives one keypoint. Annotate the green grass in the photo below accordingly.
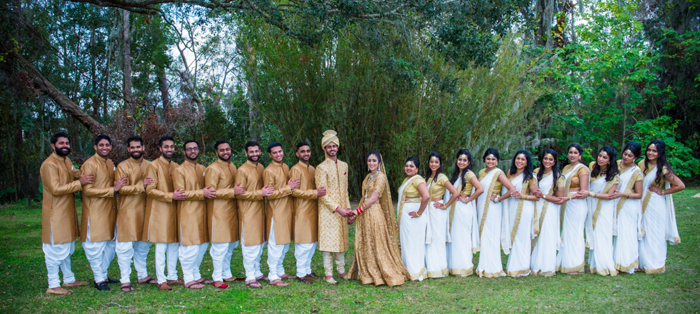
(23, 284)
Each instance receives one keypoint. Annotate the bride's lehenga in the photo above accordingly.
(377, 257)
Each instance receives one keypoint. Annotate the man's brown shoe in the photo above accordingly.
(164, 286)
(305, 279)
(75, 284)
(58, 291)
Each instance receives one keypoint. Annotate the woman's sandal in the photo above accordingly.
(127, 287)
(253, 284)
(148, 280)
(219, 284)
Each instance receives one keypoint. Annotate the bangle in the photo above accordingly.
(359, 210)
(418, 215)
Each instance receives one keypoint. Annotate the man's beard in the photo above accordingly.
(136, 154)
(193, 159)
(253, 158)
(225, 159)
(63, 152)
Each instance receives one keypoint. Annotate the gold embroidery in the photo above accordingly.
(567, 185)
(519, 213)
(628, 189)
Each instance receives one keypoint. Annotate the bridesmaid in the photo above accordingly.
(436, 252)
(464, 226)
(658, 212)
(413, 221)
(601, 209)
(573, 213)
(519, 214)
(627, 227)
(545, 245)
(489, 215)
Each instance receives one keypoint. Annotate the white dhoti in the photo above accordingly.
(171, 249)
(436, 251)
(125, 252)
(304, 252)
(191, 257)
(251, 259)
(221, 259)
(58, 256)
(275, 255)
(464, 235)
(99, 255)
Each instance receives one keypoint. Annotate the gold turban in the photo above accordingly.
(329, 136)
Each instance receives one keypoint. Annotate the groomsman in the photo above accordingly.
(222, 213)
(305, 212)
(59, 218)
(279, 214)
(251, 215)
(130, 214)
(160, 222)
(192, 215)
(100, 212)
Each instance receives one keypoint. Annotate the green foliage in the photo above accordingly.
(679, 155)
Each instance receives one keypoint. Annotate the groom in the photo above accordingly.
(333, 208)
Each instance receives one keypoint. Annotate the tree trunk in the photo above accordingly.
(126, 63)
(41, 83)
(95, 96)
(163, 84)
(254, 128)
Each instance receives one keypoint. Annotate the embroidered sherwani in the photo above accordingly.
(332, 227)
(59, 219)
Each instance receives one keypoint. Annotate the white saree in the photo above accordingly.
(414, 233)
(599, 228)
(544, 252)
(627, 226)
(489, 216)
(464, 234)
(659, 224)
(572, 221)
(521, 228)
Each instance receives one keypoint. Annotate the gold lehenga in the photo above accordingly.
(377, 257)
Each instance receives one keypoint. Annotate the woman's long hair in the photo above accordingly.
(428, 171)
(634, 147)
(555, 167)
(527, 172)
(661, 160)
(456, 173)
(611, 171)
(491, 151)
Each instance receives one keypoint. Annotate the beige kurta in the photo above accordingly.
(160, 221)
(99, 203)
(222, 212)
(132, 200)
(58, 214)
(192, 211)
(251, 207)
(332, 227)
(305, 204)
(279, 203)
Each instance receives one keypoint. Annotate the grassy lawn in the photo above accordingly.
(23, 284)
